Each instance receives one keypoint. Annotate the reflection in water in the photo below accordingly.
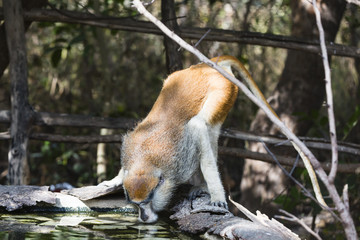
(43, 226)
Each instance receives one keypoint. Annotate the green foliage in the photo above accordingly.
(319, 122)
(291, 199)
(353, 120)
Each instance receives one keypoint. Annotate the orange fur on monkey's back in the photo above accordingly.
(185, 92)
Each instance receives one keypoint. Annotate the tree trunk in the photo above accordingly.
(173, 55)
(4, 59)
(4, 62)
(300, 90)
(21, 112)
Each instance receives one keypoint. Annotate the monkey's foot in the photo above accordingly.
(220, 204)
(197, 192)
(200, 202)
(211, 209)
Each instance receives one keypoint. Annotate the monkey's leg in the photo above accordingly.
(199, 185)
(208, 161)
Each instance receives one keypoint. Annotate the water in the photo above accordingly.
(44, 226)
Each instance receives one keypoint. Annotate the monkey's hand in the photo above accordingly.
(115, 182)
(211, 209)
(220, 204)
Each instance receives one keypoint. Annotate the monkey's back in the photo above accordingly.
(185, 92)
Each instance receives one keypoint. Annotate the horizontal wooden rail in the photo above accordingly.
(67, 120)
(129, 24)
(234, 152)
(72, 120)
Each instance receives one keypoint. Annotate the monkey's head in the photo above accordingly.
(149, 190)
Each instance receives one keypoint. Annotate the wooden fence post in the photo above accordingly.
(173, 55)
(21, 112)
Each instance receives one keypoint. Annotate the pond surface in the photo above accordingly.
(84, 226)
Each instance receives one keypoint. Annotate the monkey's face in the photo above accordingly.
(148, 190)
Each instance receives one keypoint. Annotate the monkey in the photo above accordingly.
(178, 139)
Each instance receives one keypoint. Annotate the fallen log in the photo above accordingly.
(198, 217)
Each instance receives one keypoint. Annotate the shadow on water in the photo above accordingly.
(84, 226)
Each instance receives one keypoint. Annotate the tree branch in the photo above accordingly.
(341, 206)
(67, 120)
(128, 24)
(293, 218)
(329, 95)
(71, 120)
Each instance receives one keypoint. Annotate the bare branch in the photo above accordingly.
(244, 37)
(73, 120)
(329, 95)
(356, 2)
(288, 161)
(317, 143)
(346, 197)
(342, 207)
(293, 218)
(305, 191)
(235, 152)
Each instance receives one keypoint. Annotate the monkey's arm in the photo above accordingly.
(116, 181)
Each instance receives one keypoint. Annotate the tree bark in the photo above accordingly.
(300, 90)
(173, 55)
(4, 59)
(21, 112)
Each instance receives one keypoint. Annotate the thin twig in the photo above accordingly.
(346, 197)
(306, 192)
(293, 218)
(295, 164)
(198, 42)
(329, 95)
(341, 206)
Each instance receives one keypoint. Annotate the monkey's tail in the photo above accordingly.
(229, 61)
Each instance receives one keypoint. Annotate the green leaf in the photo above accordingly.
(353, 120)
(56, 57)
(78, 39)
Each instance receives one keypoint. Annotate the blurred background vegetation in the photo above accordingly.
(79, 69)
